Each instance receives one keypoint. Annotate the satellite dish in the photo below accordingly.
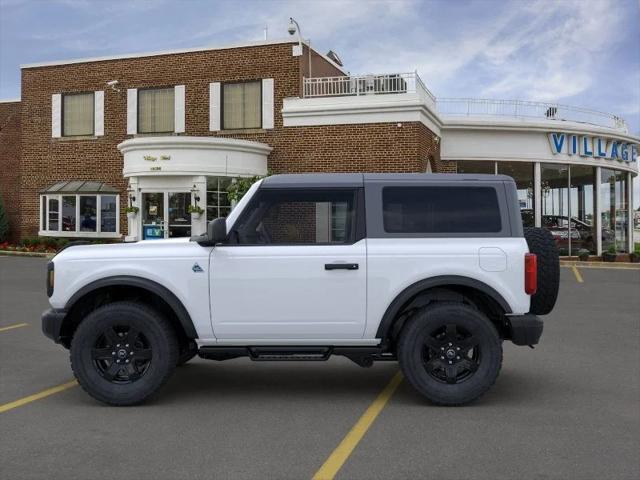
(334, 57)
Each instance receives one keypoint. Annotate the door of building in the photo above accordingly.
(164, 215)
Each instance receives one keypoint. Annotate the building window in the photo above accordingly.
(522, 173)
(476, 166)
(614, 193)
(78, 215)
(218, 204)
(242, 105)
(78, 114)
(156, 110)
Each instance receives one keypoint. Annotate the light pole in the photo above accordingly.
(293, 28)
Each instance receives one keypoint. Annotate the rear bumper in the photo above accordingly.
(52, 324)
(525, 329)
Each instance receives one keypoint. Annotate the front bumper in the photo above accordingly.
(52, 320)
(525, 329)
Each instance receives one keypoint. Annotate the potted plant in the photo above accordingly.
(610, 255)
(195, 211)
(131, 212)
(635, 255)
(583, 254)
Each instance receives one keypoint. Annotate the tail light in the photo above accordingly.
(530, 273)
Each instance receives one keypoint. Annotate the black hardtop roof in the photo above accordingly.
(310, 180)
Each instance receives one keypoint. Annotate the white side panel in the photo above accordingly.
(132, 111)
(56, 115)
(165, 262)
(395, 264)
(285, 292)
(98, 112)
(267, 103)
(214, 106)
(179, 102)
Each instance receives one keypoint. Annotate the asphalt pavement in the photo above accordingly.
(570, 409)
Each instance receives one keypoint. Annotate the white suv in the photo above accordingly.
(433, 271)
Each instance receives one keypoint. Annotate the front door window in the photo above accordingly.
(179, 218)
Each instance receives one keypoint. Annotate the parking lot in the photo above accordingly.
(568, 409)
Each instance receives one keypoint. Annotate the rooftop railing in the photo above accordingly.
(398, 83)
(357, 85)
(524, 109)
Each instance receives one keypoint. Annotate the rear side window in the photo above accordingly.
(440, 210)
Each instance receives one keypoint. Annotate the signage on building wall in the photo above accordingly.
(592, 146)
(151, 158)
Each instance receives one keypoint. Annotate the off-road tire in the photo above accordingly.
(541, 242)
(188, 350)
(157, 333)
(420, 329)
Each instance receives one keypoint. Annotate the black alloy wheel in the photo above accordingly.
(451, 354)
(122, 354)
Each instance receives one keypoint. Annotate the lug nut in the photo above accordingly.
(442, 348)
(117, 345)
(441, 358)
(127, 360)
(457, 358)
(449, 344)
(450, 362)
(113, 353)
(127, 345)
(457, 348)
(130, 353)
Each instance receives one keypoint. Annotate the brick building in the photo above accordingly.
(165, 130)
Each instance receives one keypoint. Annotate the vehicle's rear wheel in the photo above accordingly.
(450, 352)
(123, 352)
(541, 242)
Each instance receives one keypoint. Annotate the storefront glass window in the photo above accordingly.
(522, 173)
(582, 208)
(615, 210)
(218, 204)
(53, 213)
(108, 213)
(476, 166)
(69, 213)
(88, 213)
(77, 215)
(555, 203)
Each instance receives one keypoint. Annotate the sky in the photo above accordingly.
(577, 52)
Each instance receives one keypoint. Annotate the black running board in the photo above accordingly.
(363, 356)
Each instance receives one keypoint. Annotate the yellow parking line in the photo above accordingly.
(332, 465)
(577, 274)
(11, 327)
(37, 396)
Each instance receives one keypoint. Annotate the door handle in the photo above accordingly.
(341, 266)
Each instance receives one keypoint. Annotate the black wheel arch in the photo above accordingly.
(444, 288)
(127, 287)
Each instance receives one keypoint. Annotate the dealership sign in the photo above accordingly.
(590, 146)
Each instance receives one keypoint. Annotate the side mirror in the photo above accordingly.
(217, 230)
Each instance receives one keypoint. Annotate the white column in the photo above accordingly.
(199, 226)
(598, 219)
(537, 187)
(630, 212)
(134, 223)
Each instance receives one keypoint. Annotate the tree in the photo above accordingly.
(4, 223)
(240, 186)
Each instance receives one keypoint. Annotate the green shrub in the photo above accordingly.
(4, 223)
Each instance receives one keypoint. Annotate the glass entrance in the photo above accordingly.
(164, 215)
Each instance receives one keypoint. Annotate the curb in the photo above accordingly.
(11, 253)
(602, 265)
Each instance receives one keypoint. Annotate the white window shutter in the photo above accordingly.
(214, 106)
(56, 115)
(179, 100)
(132, 111)
(98, 113)
(267, 103)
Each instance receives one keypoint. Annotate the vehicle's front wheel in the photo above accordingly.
(123, 352)
(451, 353)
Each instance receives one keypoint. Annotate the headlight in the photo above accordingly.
(50, 279)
